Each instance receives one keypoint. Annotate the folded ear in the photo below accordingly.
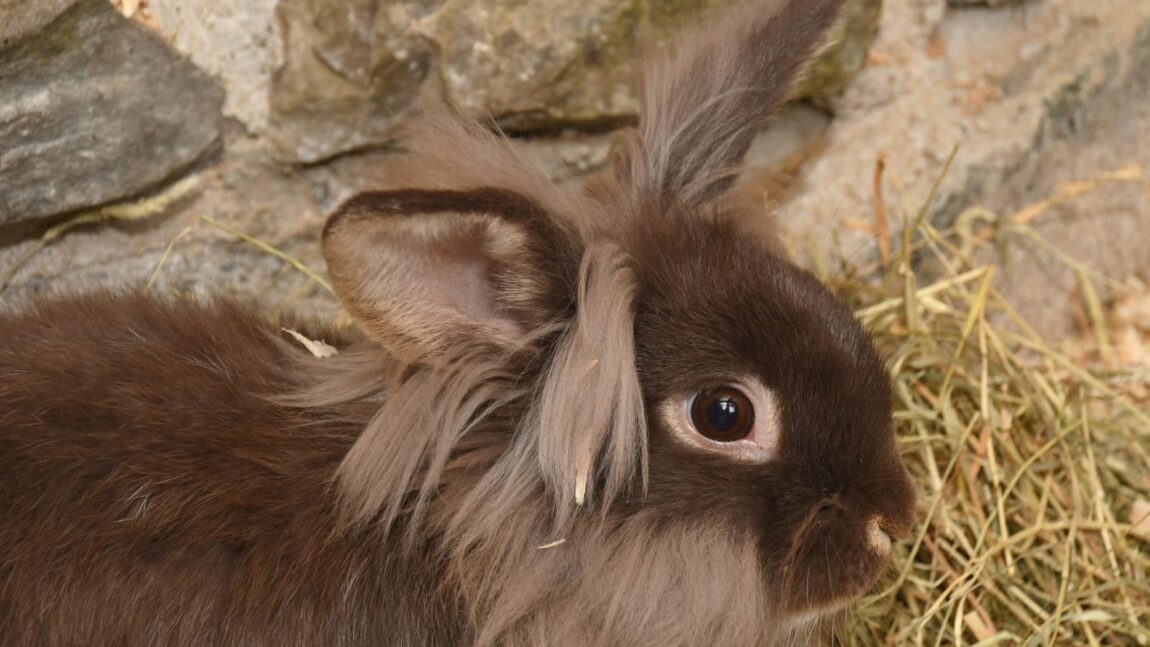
(426, 271)
(702, 104)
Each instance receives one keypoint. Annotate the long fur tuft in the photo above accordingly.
(702, 105)
(591, 406)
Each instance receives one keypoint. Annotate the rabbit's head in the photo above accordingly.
(624, 369)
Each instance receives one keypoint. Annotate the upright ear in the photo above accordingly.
(424, 272)
(702, 104)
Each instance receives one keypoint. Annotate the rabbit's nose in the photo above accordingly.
(879, 538)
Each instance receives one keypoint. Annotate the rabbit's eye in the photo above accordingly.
(741, 420)
(724, 414)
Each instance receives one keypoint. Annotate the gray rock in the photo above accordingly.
(1059, 96)
(1097, 122)
(92, 109)
(354, 69)
(22, 17)
(238, 42)
(853, 38)
(348, 77)
(176, 250)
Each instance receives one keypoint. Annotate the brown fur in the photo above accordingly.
(489, 460)
(152, 496)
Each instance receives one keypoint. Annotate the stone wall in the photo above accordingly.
(281, 108)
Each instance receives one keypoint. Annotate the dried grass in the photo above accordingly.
(1033, 465)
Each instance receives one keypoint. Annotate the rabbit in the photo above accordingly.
(603, 415)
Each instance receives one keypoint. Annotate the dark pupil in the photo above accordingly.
(723, 414)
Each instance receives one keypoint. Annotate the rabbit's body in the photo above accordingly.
(606, 417)
(153, 495)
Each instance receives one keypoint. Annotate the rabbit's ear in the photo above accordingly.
(702, 104)
(426, 271)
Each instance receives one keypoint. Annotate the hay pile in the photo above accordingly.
(1033, 464)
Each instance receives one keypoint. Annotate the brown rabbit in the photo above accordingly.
(606, 417)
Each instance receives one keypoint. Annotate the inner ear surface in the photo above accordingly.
(467, 277)
(426, 271)
(475, 267)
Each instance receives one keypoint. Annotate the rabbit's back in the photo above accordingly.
(150, 483)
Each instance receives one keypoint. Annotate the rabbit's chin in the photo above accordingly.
(800, 620)
(800, 628)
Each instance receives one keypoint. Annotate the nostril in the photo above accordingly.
(893, 529)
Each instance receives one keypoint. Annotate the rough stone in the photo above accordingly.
(1035, 96)
(238, 42)
(1105, 229)
(249, 190)
(353, 70)
(347, 79)
(175, 251)
(92, 109)
(853, 37)
(22, 17)
(1008, 87)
